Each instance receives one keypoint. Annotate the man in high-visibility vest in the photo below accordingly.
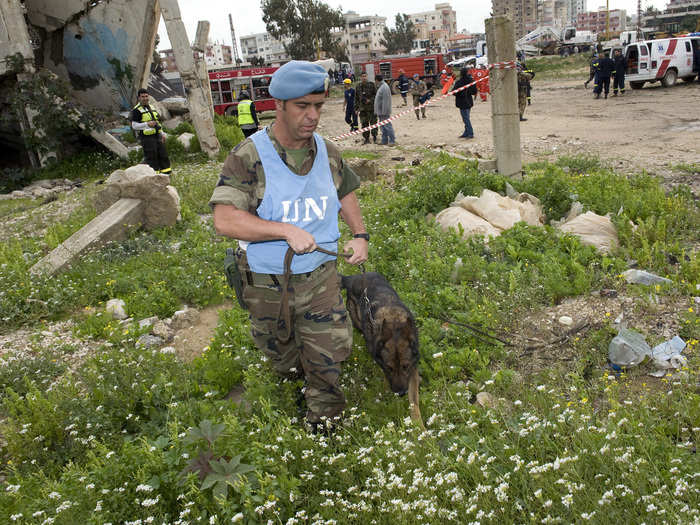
(247, 117)
(146, 122)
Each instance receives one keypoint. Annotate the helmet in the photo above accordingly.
(347, 81)
(444, 71)
(243, 94)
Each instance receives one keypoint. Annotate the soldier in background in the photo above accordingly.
(523, 81)
(364, 103)
(418, 90)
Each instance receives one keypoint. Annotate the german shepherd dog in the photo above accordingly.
(389, 330)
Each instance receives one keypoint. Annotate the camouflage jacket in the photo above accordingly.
(418, 88)
(364, 96)
(242, 180)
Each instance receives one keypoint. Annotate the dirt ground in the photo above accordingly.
(651, 129)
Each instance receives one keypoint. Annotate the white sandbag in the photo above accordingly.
(503, 212)
(472, 224)
(593, 230)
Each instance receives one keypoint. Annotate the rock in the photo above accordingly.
(486, 400)
(566, 320)
(149, 341)
(18, 194)
(116, 307)
(364, 168)
(141, 182)
(173, 122)
(184, 318)
(162, 330)
(149, 321)
(186, 140)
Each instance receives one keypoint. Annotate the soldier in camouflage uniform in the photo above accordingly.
(364, 101)
(524, 78)
(418, 89)
(250, 204)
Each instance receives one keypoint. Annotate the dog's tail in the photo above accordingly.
(413, 401)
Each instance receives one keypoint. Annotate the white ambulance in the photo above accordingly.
(664, 60)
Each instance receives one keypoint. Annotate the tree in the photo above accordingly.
(400, 39)
(310, 25)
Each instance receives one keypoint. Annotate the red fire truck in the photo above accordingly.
(226, 85)
(428, 67)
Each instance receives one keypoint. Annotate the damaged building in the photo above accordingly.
(102, 49)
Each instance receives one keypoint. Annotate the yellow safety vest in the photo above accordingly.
(244, 114)
(146, 116)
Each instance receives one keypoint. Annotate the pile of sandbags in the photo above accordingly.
(491, 213)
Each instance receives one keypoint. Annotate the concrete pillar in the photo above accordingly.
(503, 83)
(197, 98)
(200, 45)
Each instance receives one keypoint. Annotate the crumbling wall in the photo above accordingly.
(102, 48)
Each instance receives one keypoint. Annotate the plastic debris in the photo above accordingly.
(566, 320)
(667, 356)
(643, 277)
(628, 348)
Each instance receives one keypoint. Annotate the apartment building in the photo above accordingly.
(264, 45)
(218, 55)
(596, 21)
(672, 19)
(523, 13)
(436, 27)
(167, 60)
(362, 36)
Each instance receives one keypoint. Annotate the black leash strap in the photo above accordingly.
(284, 313)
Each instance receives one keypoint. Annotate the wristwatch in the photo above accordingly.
(364, 236)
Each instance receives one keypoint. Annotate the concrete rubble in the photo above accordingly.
(132, 198)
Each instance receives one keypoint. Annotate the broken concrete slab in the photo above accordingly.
(175, 105)
(113, 225)
(14, 36)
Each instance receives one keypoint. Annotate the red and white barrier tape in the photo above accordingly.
(500, 65)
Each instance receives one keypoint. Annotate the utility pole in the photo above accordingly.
(236, 56)
(607, 19)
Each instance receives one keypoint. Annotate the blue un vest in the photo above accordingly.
(308, 201)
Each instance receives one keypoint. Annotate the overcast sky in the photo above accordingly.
(247, 18)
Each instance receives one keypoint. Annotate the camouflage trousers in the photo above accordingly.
(367, 118)
(416, 103)
(522, 100)
(321, 331)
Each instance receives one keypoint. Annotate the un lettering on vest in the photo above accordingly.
(309, 205)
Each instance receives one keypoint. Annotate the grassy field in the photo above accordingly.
(135, 436)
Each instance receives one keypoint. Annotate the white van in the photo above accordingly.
(664, 60)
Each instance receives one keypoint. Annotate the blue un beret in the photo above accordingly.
(296, 79)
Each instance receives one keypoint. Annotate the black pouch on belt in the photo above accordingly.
(233, 276)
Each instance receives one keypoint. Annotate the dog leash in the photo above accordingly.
(284, 312)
